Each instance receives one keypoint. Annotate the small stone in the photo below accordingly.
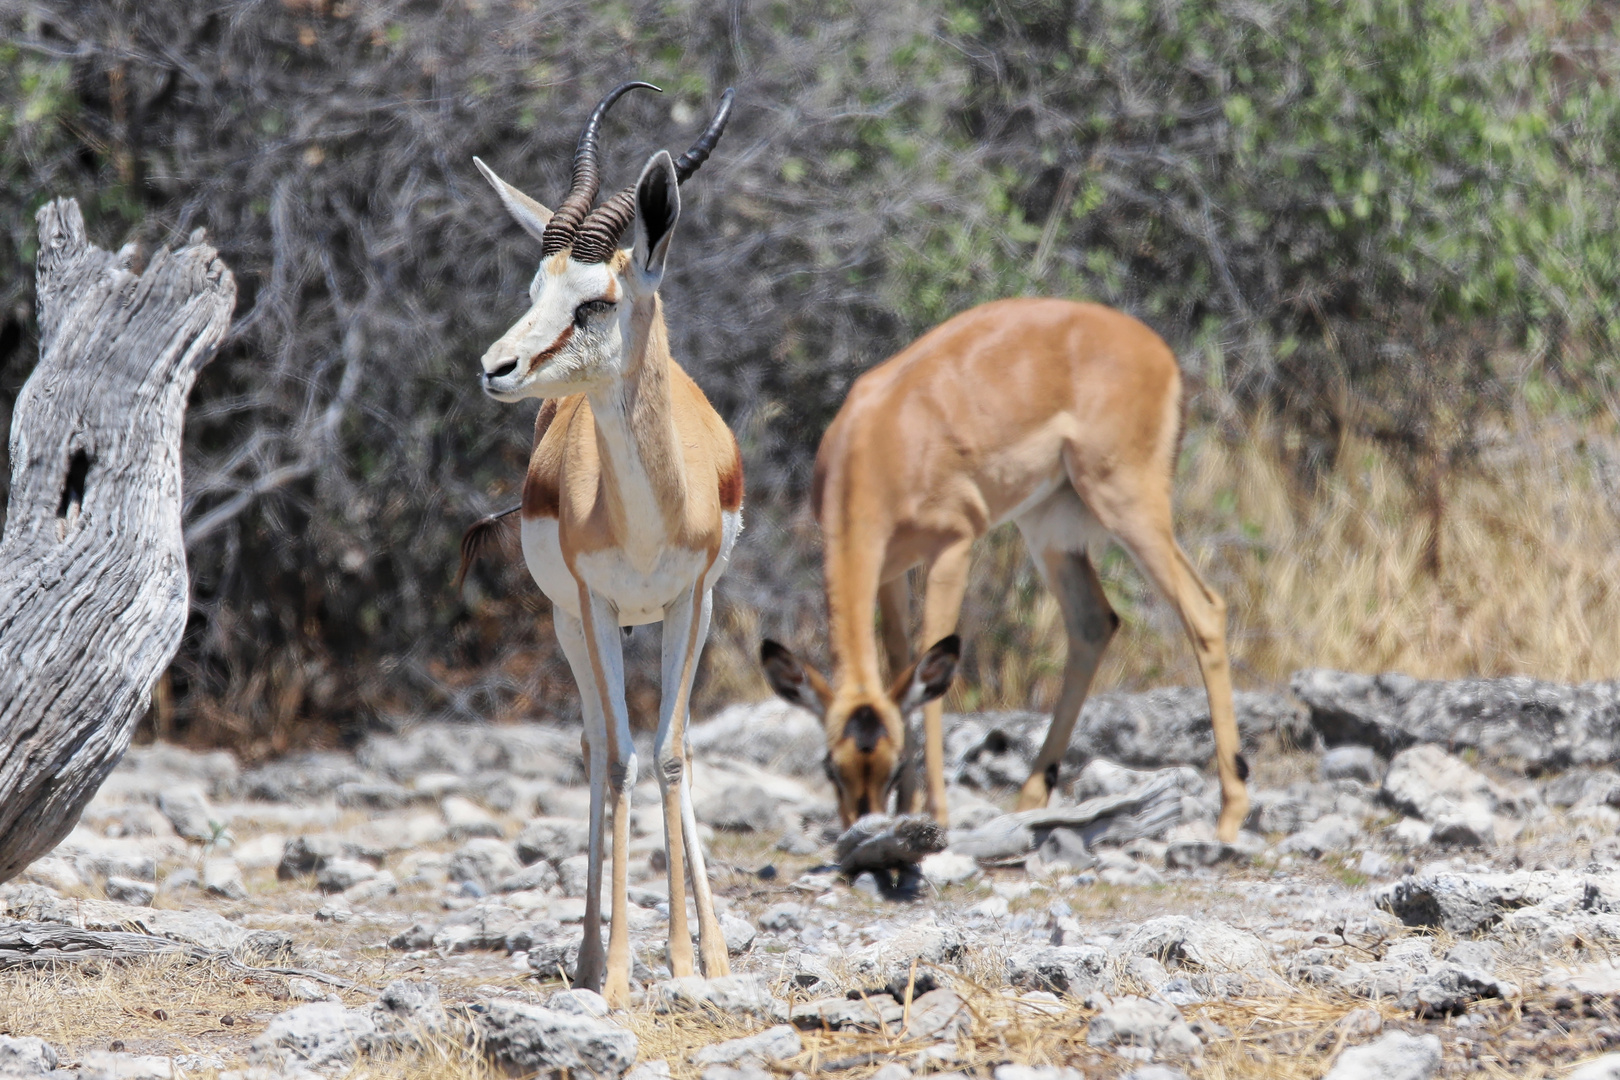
(418, 936)
(541, 876)
(320, 1034)
(866, 883)
(797, 843)
(383, 795)
(938, 1015)
(782, 917)
(1132, 1022)
(552, 839)
(649, 1070)
(773, 1044)
(222, 877)
(573, 875)
(1606, 1067)
(894, 1070)
(105, 1065)
(129, 891)
(1155, 1072)
(340, 874)
(580, 1002)
(465, 819)
(743, 995)
(742, 808)
(948, 868)
(371, 890)
(188, 811)
(528, 1038)
(1360, 1023)
(405, 1011)
(1395, 1056)
(300, 989)
(1036, 1072)
(1351, 763)
(26, 1054)
(484, 861)
(739, 934)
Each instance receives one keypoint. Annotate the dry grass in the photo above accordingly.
(1529, 582)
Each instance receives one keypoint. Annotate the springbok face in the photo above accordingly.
(576, 333)
(867, 742)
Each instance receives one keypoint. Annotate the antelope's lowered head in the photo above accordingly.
(577, 333)
(868, 745)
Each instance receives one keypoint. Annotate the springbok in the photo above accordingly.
(1059, 416)
(630, 508)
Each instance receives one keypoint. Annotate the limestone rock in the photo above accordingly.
(530, 1038)
(320, 1034)
(1515, 722)
(26, 1055)
(740, 995)
(1395, 1056)
(1141, 1022)
(552, 839)
(772, 1044)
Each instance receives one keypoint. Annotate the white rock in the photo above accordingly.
(486, 861)
(739, 934)
(1133, 1022)
(26, 1055)
(464, 819)
(947, 868)
(529, 1038)
(260, 852)
(772, 1044)
(580, 1002)
(743, 995)
(104, 1065)
(1395, 1056)
(1606, 1067)
(223, 877)
(320, 1034)
(1329, 833)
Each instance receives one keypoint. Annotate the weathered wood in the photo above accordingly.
(93, 592)
(40, 944)
(880, 842)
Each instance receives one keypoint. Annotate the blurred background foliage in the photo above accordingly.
(1382, 238)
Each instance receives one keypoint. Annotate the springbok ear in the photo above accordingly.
(799, 683)
(658, 207)
(930, 676)
(524, 210)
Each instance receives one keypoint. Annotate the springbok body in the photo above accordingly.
(1059, 416)
(630, 508)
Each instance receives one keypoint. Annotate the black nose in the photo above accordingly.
(502, 371)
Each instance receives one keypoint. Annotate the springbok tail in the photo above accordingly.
(476, 540)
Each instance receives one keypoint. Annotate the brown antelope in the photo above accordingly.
(630, 508)
(1059, 416)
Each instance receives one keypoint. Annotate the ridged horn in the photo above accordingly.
(598, 237)
(587, 177)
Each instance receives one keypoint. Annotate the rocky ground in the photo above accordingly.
(1437, 894)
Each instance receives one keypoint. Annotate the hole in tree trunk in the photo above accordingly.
(73, 490)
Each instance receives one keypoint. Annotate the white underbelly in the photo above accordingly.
(639, 592)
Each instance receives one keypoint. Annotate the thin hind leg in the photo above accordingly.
(1135, 508)
(1090, 623)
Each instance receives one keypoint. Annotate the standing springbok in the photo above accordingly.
(1061, 417)
(630, 508)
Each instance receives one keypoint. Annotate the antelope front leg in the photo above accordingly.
(606, 649)
(686, 628)
(571, 636)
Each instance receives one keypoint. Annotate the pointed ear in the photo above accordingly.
(658, 207)
(799, 683)
(524, 210)
(929, 677)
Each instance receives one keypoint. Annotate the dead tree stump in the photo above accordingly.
(93, 589)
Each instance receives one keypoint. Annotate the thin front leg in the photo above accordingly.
(571, 636)
(894, 609)
(947, 584)
(606, 648)
(686, 628)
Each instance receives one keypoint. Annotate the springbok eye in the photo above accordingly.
(589, 308)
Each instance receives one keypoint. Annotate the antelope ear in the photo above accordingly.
(658, 207)
(799, 683)
(524, 210)
(930, 676)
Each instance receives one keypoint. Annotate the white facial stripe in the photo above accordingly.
(543, 355)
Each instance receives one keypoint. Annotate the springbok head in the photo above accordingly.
(577, 329)
(869, 743)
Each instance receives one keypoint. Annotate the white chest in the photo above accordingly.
(639, 589)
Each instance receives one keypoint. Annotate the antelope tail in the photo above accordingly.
(476, 540)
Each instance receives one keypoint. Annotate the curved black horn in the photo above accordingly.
(689, 162)
(598, 237)
(587, 179)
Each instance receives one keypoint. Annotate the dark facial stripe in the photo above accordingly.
(555, 348)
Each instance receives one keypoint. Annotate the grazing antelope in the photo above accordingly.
(1061, 417)
(630, 508)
